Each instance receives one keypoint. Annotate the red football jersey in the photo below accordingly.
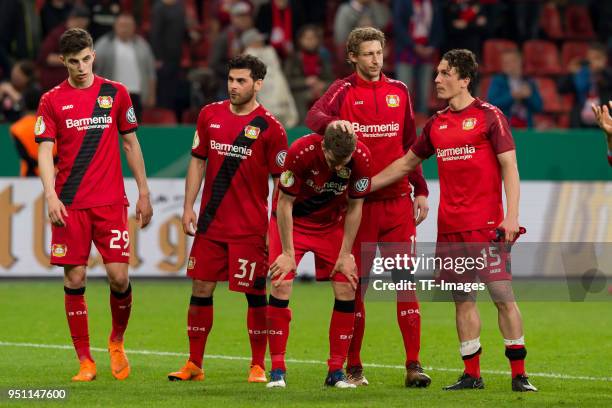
(321, 192)
(382, 116)
(241, 152)
(84, 124)
(467, 143)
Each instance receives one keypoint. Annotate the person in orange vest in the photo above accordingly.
(22, 132)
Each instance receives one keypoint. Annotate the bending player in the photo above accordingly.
(238, 143)
(311, 206)
(86, 199)
(475, 151)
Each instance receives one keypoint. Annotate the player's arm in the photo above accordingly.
(57, 210)
(135, 161)
(510, 175)
(327, 108)
(285, 262)
(346, 261)
(604, 120)
(193, 181)
(396, 170)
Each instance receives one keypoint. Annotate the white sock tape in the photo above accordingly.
(469, 347)
(517, 342)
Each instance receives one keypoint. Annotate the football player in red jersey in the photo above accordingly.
(311, 213)
(237, 145)
(86, 199)
(475, 152)
(380, 111)
(604, 120)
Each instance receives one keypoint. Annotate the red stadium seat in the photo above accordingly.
(158, 116)
(190, 116)
(541, 58)
(550, 22)
(550, 96)
(485, 83)
(572, 50)
(492, 51)
(544, 121)
(578, 23)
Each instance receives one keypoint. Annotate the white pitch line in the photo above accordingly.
(290, 360)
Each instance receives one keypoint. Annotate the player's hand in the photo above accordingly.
(190, 221)
(421, 209)
(144, 211)
(57, 211)
(345, 125)
(346, 265)
(283, 264)
(603, 117)
(510, 225)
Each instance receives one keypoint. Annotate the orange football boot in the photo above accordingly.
(87, 371)
(257, 374)
(189, 372)
(120, 366)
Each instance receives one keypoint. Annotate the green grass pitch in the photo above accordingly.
(563, 339)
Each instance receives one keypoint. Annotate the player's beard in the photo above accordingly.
(243, 99)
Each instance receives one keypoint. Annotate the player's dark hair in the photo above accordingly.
(339, 142)
(257, 67)
(464, 61)
(74, 40)
(363, 34)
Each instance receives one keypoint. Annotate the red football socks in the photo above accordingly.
(76, 313)
(199, 325)
(257, 329)
(354, 352)
(121, 306)
(278, 319)
(409, 321)
(340, 333)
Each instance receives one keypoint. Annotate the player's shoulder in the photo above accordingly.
(396, 84)
(116, 84)
(306, 143)
(486, 107)
(342, 85)
(51, 94)
(273, 123)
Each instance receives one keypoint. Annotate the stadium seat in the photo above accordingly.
(578, 23)
(550, 96)
(541, 58)
(543, 121)
(158, 116)
(483, 87)
(190, 116)
(550, 22)
(571, 50)
(492, 50)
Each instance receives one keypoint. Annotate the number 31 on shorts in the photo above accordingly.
(244, 267)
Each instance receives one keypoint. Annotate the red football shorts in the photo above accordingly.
(106, 226)
(245, 265)
(382, 221)
(324, 244)
(474, 244)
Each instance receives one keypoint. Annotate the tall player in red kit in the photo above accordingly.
(86, 199)
(475, 152)
(311, 213)
(380, 111)
(239, 144)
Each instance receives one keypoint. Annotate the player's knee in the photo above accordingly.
(74, 277)
(506, 307)
(202, 288)
(118, 282)
(256, 300)
(282, 291)
(464, 309)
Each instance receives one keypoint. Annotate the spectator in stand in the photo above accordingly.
(309, 69)
(168, 30)
(515, 94)
(466, 24)
(419, 31)
(223, 11)
(23, 78)
(52, 70)
(22, 133)
(358, 13)
(124, 56)
(590, 81)
(277, 21)
(275, 96)
(54, 13)
(228, 45)
(103, 15)
(604, 120)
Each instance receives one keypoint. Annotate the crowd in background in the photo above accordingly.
(542, 62)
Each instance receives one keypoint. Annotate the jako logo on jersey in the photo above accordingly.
(362, 184)
(442, 127)
(384, 127)
(456, 153)
(469, 123)
(59, 250)
(196, 140)
(96, 120)
(393, 101)
(251, 132)
(280, 158)
(227, 149)
(191, 263)
(287, 179)
(344, 172)
(105, 102)
(358, 103)
(40, 126)
(66, 107)
(130, 115)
